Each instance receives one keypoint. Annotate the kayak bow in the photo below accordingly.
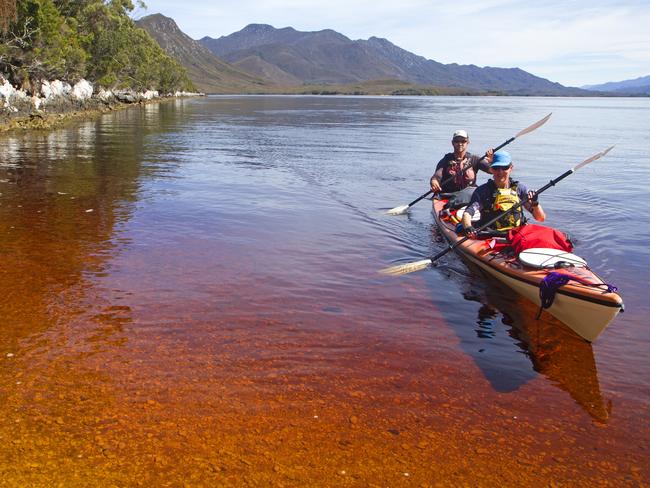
(585, 303)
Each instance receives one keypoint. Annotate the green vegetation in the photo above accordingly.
(91, 39)
(374, 87)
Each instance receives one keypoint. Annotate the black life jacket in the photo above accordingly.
(502, 200)
(453, 170)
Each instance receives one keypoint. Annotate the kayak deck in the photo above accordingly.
(585, 303)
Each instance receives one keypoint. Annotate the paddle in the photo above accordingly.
(419, 265)
(404, 208)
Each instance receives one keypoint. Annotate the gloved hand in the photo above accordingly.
(470, 231)
(533, 197)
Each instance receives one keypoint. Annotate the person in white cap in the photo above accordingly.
(451, 166)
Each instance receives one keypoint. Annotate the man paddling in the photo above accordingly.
(499, 195)
(451, 166)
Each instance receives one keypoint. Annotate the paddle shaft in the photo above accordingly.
(420, 198)
(499, 217)
(502, 145)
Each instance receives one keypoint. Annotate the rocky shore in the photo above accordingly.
(57, 102)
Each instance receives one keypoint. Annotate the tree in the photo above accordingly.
(123, 55)
(95, 39)
(7, 14)
(42, 44)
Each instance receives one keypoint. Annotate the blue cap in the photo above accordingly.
(501, 159)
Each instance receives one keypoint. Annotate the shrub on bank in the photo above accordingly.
(94, 40)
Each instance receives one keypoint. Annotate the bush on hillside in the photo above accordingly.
(92, 39)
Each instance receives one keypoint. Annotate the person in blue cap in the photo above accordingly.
(499, 195)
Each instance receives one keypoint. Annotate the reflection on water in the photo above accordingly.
(64, 195)
(188, 295)
(553, 349)
(506, 324)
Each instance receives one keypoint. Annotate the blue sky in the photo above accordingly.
(572, 42)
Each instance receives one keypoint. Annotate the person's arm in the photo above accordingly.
(532, 204)
(467, 223)
(484, 162)
(469, 229)
(534, 207)
(470, 210)
(437, 177)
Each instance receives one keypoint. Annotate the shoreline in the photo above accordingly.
(57, 102)
(40, 120)
(73, 110)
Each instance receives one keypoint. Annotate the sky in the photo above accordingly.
(573, 42)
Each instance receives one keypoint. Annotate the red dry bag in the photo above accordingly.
(532, 235)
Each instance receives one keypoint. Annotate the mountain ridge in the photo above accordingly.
(208, 72)
(635, 86)
(327, 56)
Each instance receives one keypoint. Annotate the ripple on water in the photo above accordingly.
(226, 282)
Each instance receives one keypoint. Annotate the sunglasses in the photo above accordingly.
(459, 141)
(501, 168)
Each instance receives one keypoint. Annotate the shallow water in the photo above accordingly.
(190, 296)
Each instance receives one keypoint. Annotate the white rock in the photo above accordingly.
(46, 90)
(105, 95)
(60, 88)
(150, 94)
(56, 88)
(22, 95)
(6, 89)
(6, 92)
(186, 94)
(82, 90)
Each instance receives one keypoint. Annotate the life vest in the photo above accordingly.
(502, 200)
(454, 171)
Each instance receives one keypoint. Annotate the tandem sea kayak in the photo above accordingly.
(585, 303)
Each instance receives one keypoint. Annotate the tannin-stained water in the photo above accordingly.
(190, 296)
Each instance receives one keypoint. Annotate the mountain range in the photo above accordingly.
(637, 86)
(208, 73)
(327, 56)
(261, 58)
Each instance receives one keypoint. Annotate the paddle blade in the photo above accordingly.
(592, 159)
(398, 210)
(536, 125)
(407, 268)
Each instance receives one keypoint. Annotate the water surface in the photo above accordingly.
(190, 295)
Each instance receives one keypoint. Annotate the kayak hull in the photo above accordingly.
(587, 310)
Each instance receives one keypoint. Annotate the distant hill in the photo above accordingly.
(208, 73)
(288, 56)
(376, 87)
(637, 86)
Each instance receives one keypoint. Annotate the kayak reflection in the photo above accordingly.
(505, 320)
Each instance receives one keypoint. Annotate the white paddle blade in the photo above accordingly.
(536, 125)
(398, 210)
(407, 268)
(593, 158)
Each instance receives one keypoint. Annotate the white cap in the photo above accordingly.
(460, 133)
